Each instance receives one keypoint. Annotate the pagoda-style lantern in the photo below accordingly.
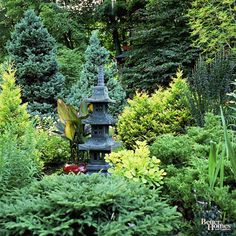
(100, 142)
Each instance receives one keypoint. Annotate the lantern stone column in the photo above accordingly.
(100, 141)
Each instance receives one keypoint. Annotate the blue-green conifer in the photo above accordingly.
(33, 51)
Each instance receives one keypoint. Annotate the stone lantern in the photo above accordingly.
(100, 141)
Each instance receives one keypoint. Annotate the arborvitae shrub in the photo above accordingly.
(87, 205)
(18, 155)
(146, 117)
(33, 51)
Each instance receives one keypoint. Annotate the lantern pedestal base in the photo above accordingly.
(95, 168)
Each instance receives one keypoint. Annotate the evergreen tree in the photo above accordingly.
(96, 55)
(18, 155)
(32, 49)
(160, 43)
(12, 113)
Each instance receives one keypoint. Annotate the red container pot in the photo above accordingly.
(75, 168)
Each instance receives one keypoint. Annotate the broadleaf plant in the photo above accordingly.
(70, 125)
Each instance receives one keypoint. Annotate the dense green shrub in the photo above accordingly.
(172, 149)
(136, 165)
(70, 65)
(53, 148)
(179, 150)
(33, 51)
(146, 117)
(212, 130)
(18, 155)
(87, 205)
(209, 85)
(187, 183)
(189, 188)
(19, 164)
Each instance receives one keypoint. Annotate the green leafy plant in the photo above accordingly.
(216, 165)
(212, 25)
(87, 205)
(136, 165)
(53, 148)
(230, 151)
(146, 116)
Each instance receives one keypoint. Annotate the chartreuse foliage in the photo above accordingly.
(18, 154)
(33, 51)
(87, 205)
(146, 117)
(213, 25)
(12, 113)
(136, 165)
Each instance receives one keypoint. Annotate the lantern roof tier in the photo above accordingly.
(99, 144)
(99, 119)
(100, 95)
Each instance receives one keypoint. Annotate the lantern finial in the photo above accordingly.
(101, 76)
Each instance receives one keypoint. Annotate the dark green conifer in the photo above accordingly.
(160, 44)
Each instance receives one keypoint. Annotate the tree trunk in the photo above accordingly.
(116, 40)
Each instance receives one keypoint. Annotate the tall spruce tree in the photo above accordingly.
(161, 43)
(32, 49)
(96, 55)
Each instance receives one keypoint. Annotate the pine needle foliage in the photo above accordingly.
(87, 205)
(160, 44)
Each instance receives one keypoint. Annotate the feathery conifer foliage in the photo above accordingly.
(12, 113)
(96, 55)
(18, 154)
(160, 45)
(87, 205)
(32, 49)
